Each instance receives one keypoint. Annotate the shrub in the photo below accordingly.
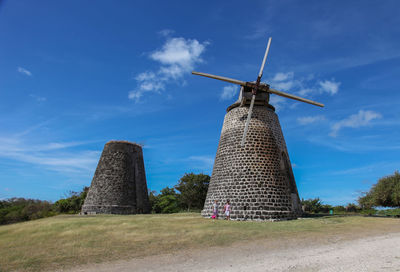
(72, 204)
(385, 193)
(339, 209)
(166, 202)
(193, 190)
(312, 205)
(192, 194)
(351, 207)
(20, 209)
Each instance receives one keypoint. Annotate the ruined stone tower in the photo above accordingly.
(119, 183)
(257, 178)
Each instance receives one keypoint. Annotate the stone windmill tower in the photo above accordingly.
(119, 183)
(252, 167)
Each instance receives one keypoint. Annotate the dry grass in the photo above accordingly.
(66, 241)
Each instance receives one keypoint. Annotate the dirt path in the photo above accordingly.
(377, 253)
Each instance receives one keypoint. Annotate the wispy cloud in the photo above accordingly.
(358, 145)
(306, 86)
(277, 101)
(228, 92)
(166, 32)
(24, 71)
(357, 59)
(55, 156)
(38, 99)
(283, 76)
(284, 81)
(203, 162)
(32, 128)
(362, 118)
(177, 57)
(368, 169)
(310, 119)
(260, 31)
(330, 87)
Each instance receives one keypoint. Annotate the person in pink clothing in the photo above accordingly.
(227, 210)
(215, 210)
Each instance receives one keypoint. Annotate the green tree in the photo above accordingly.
(312, 205)
(16, 210)
(63, 206)
(351, 207)
(366, 201)
(385, 193)
(193, 190)
(153, 200)
(339, 209)
(166, 202)
(73, 203)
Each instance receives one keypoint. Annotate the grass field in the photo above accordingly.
(66, 241)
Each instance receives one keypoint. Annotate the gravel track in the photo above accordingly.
(377, 253)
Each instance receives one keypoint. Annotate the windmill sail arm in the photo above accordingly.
(295, 97)
(227, 79)
(262, 87)
(265, 58)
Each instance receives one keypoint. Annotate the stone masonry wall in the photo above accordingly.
(119, 183)
(257, 178)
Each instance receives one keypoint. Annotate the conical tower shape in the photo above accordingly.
(119, 183)
(257, 178)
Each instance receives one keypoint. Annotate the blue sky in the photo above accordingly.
(76, 74)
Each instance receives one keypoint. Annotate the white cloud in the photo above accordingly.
(364, 169)
(54, 156)
(76, 162)
(38, 98)
(203, 162)
(166, 32)
(305, 91)
(283, 76)
(310, 119)
(330, 87)
(362, 118)
(306, 86)
(177, 57)
(228, 92)
(24, 71)
(179, 51)
(283, 81)
(172, 72)
(145, 76)
(151, 86)
(277, 101)
(54, 146)
(135, 95)
(284, 85)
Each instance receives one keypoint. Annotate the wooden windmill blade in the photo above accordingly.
(254, 91)
(227, 79)
(262, 87)
(264, 60)
(295, 97)
(258, 86)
